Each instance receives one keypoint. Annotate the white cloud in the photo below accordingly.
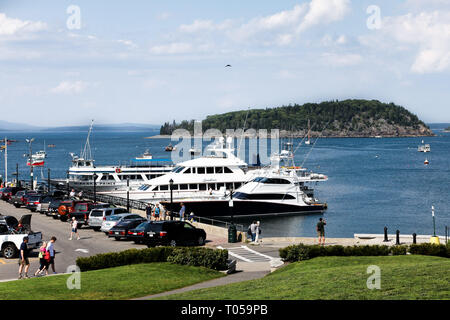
(128, 43)
(341, 60)
(172, 48)
(426, 33)
(11, 26)
(324, 12)
(70, 87)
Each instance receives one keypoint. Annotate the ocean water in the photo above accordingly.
(372, 182)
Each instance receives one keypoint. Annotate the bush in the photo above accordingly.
(127, 257)
(200, 257)
(194, 256)
(398, 250)
(429, 249)
(295, 253)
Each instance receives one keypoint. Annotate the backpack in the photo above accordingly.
(47, 255)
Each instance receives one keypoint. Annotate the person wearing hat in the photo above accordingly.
(23, 258)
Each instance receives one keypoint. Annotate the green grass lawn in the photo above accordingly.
(115, 283)
(402, 277)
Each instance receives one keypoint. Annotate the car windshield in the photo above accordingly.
(114, 218)
(34, 198)
(81, 207)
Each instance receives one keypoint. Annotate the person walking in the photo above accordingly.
(148, 212)
(321, 230)
(23, 259)
(42, 260)
(253, 227)
(258, 231)
(156, 212)
(182, 211)
(51, 251)
(74, 228)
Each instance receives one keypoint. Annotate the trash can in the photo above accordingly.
(232, 234)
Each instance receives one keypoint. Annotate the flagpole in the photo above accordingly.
(6, 161)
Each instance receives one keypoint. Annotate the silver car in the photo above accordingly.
(112, 220)
(97, 216)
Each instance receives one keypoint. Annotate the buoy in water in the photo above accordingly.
(426, 161)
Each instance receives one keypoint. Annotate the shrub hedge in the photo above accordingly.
(302, 251)
(206, 257)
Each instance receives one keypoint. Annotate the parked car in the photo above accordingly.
(7, 193)
(97, 216)
(121, 229)
(12, 233)
(33, 201)
(172, 233)
(66, 207)
(20, 198)
(44, 204)
(53, 208)
(82, 210)
(113, 220)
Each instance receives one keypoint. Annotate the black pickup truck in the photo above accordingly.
(82, 209)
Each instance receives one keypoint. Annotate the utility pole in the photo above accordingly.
(6, 161)
(30, 158)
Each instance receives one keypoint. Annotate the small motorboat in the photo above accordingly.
(146, 156)
(170, 148)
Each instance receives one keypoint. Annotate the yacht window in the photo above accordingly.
(183, 186)
(202, 186)
(178, 169)
(262, 196)
(194, 170)
(188, 170)
(228, 170)
(219, 169)
(210, 170)
(220, 185)
(103, 178)
(212, 186)
(193, 187)
(88, 163)
(174, 187)
(201, 170)
(229, 186)
(164, 187)
(237, 185)
(111, 178)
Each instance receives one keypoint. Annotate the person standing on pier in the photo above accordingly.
(157, 212)
(148, 212)
(74, 225)
(182, 211)
(321, 230)
(253, 230)
(72, 193)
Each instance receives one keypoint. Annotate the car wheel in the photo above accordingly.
(201, 241)
(9, 251)
(55, 217)
(96, 228)
(173, 243)
(117, 238)
(17, 205)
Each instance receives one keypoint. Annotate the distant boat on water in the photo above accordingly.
(424, 147)
(170, 148)
(146, 156)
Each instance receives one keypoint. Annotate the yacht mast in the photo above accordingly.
(87, 154)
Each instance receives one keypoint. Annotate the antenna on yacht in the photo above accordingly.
(87, 154)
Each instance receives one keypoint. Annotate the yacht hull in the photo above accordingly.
(220, 208)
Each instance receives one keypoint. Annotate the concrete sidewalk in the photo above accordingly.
(245, 272)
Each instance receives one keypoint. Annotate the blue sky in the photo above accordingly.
(154, 61)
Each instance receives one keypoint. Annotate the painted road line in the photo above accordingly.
(258, 253)
(2, 262)
(236, 255)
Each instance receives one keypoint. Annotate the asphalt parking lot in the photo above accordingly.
(67, 251)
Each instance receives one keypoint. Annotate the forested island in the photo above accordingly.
(347, 118)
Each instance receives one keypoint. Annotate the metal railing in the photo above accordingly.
(118, 201)
(218, 223)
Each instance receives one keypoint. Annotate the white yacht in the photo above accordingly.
(206, 175)
(273, 191)
(424, 147)
(111, 178)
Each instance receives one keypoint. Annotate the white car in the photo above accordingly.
(12, 233)
(97, 216)
(112, 220)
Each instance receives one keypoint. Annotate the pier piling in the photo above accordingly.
(397, 238)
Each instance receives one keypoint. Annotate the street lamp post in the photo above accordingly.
(95, 187)
(171, 198)
(67, 182)
(30, 159)
(434, 222)
(231, 206)
(128, 193)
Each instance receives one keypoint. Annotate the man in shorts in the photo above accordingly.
(74, 229)
(51, 250)
(321, 231)
(157, 212)
(23, 258)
